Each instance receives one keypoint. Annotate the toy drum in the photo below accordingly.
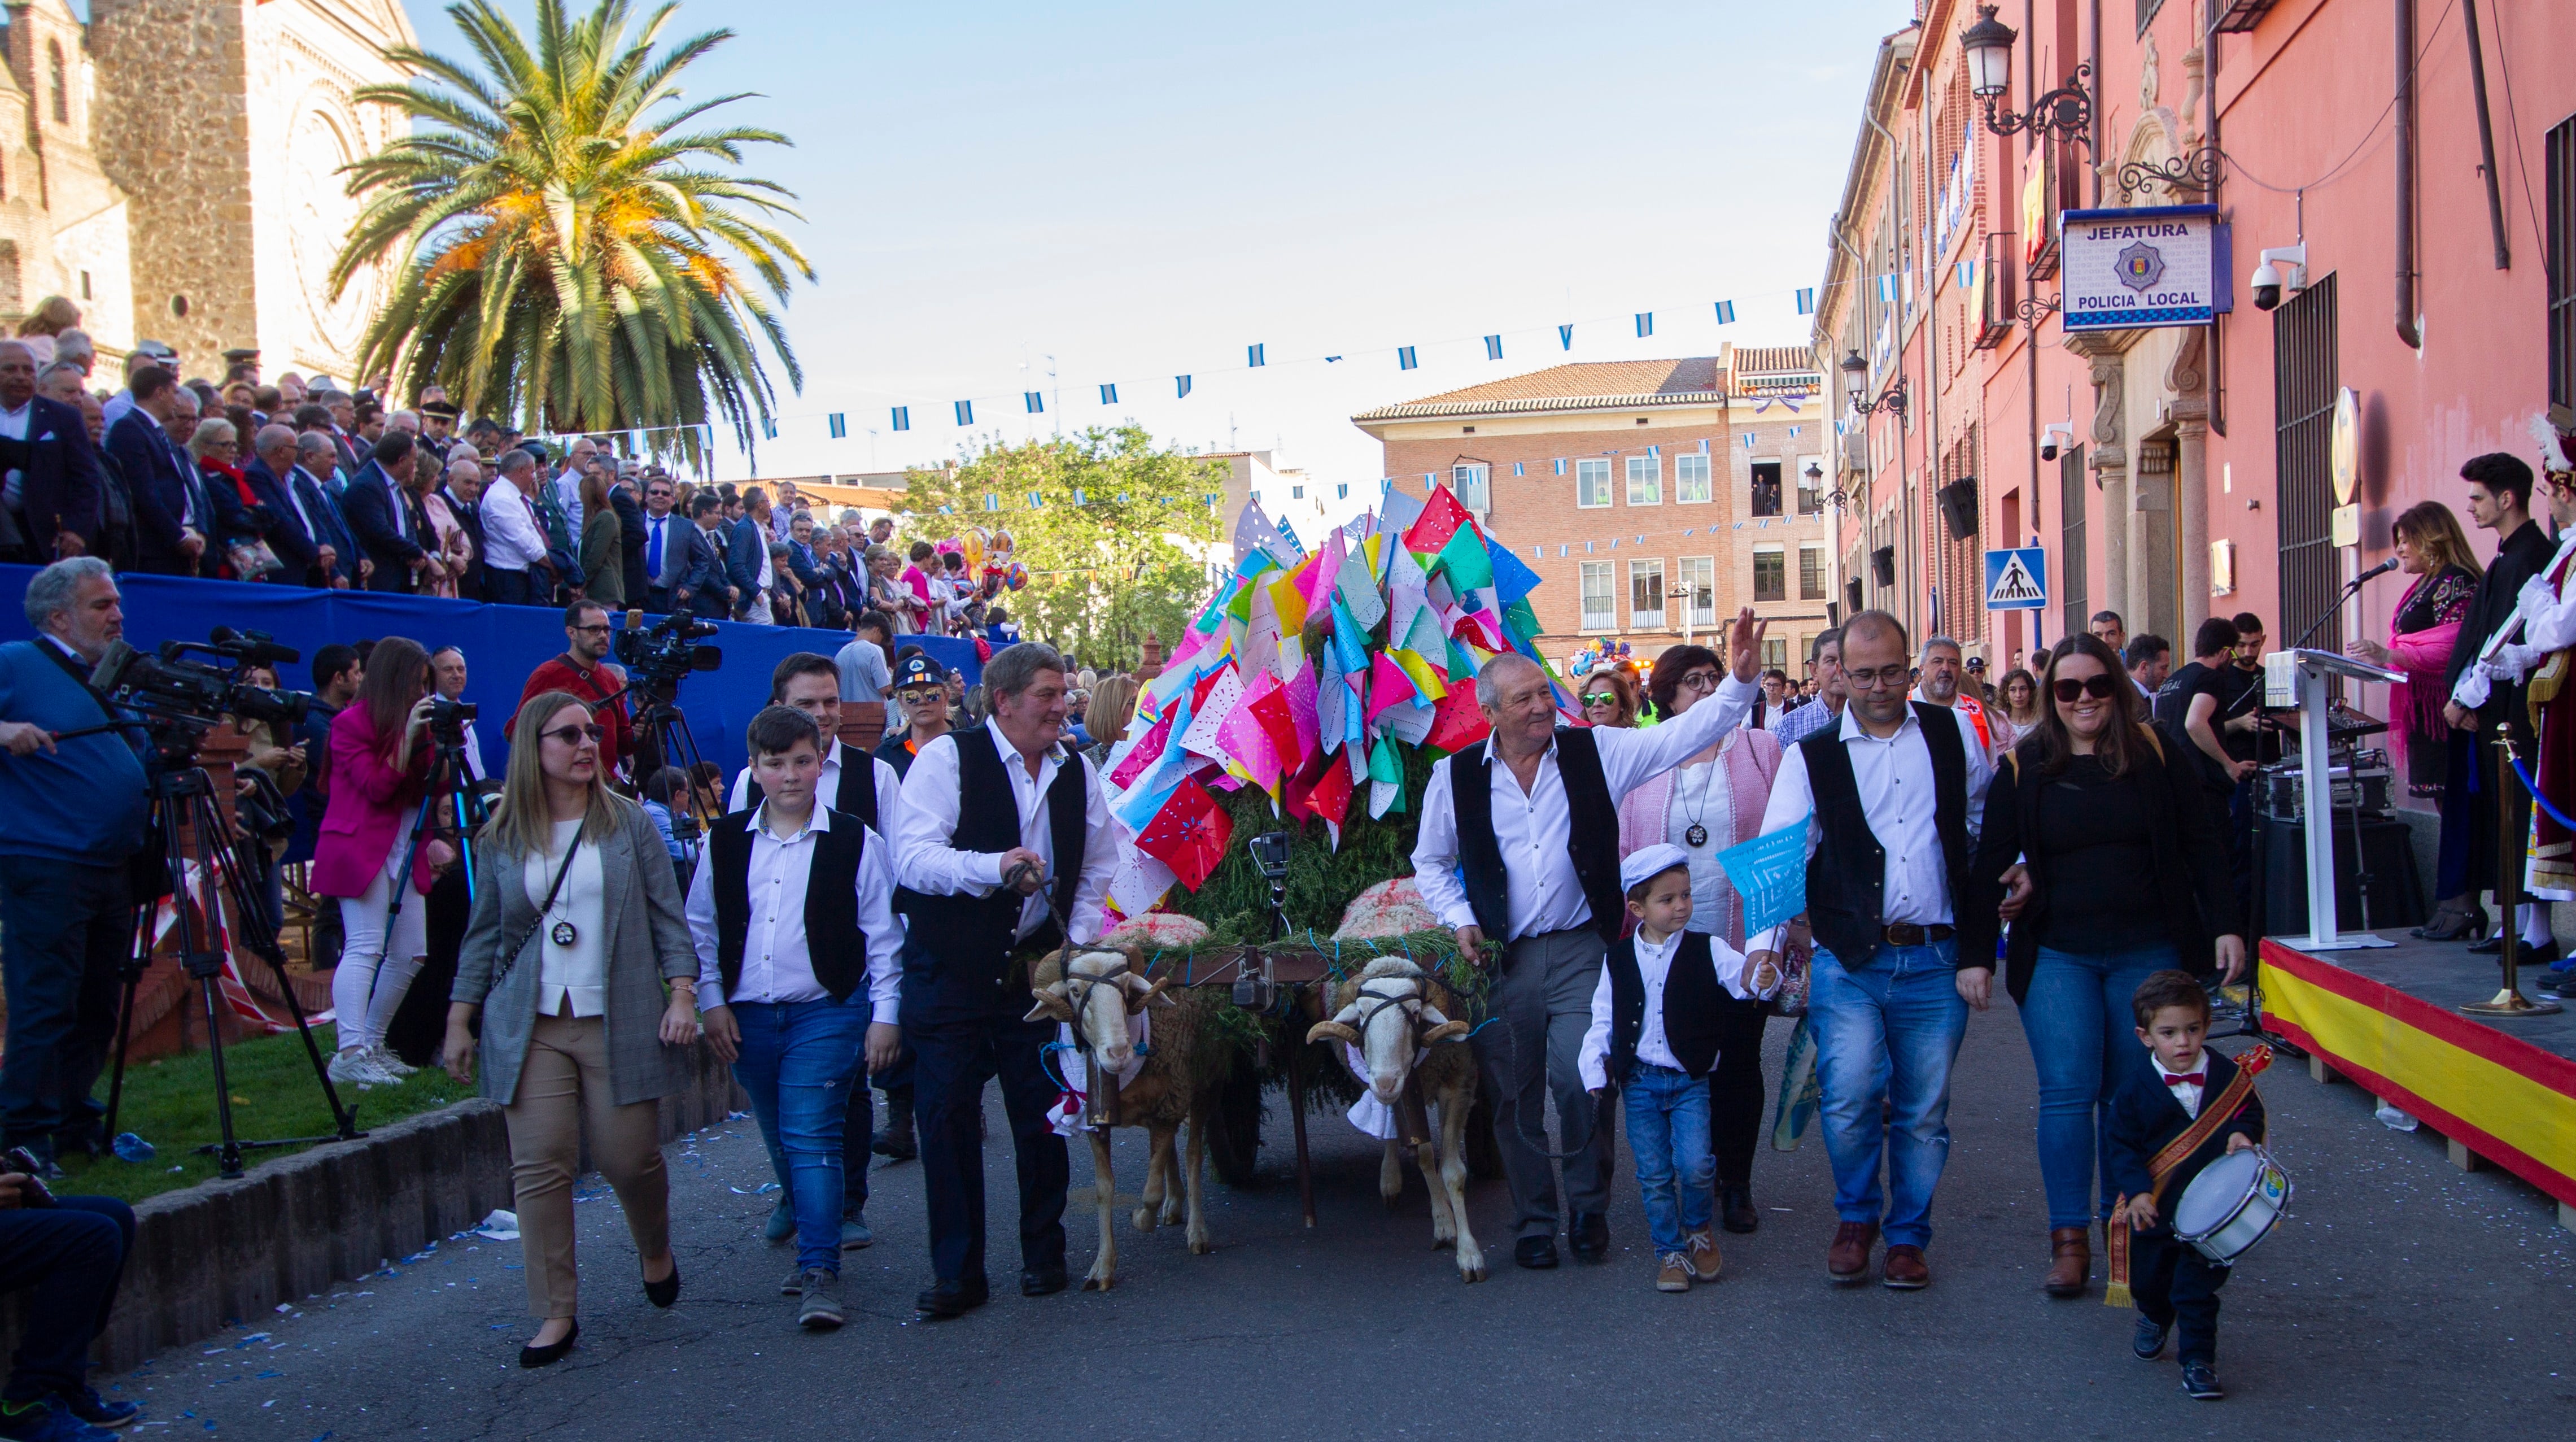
(2231, 1205)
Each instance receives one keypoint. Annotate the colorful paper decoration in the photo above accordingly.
(1189, 835)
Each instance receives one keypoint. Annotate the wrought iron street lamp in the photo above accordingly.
(2065, 113)
(1856, 375)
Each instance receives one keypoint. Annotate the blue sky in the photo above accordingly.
(1144, 189)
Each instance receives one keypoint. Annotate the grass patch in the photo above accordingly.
(171, 1104)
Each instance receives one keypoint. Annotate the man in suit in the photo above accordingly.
(380, 516)
(747, 558)
(664, 542)
(706, 584)
(314, 459)
(172, 515)
(630, 535)
(291, 531)
(463, 488)
(50, 486)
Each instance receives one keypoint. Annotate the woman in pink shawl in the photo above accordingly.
(1712, 802)
(2421, 633)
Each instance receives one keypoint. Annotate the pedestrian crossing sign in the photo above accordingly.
(2017, 580)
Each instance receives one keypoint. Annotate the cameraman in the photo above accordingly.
(582, 671)
(72, 814)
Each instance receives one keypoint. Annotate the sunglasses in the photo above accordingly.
(1601, 698)
(2100, 688)
(575, 735)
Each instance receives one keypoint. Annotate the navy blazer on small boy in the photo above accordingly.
(2145, 1119)
(1692, 994)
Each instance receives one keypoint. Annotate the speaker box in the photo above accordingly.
(1959, 507)
(1882, 564)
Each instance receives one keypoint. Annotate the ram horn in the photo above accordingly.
(1443, 1032)
(1051, 1004)
(1334, 1030)
(1142, 993)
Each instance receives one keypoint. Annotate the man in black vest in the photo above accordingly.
(2500, 501)
(1891, 800)
(855, 783)
(792, 913)
(1524, 853)
(992, 817)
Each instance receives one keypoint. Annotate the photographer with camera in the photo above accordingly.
(583, 670)
(447, 677)
(380, 769)
(72, 815)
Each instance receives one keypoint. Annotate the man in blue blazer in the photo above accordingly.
(706, 587)
(293, 533)
(315, 457)
(173, 517)
(50, 482)
(380, 516)
(746, 553)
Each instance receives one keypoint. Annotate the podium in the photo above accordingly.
(2298, 677)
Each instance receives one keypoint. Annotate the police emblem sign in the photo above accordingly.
(2136, 269)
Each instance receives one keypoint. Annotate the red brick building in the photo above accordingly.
(1652, 497)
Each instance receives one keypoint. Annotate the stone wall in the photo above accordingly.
(170, 125)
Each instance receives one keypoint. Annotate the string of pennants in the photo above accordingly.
(1404, 604)
(1256, 357)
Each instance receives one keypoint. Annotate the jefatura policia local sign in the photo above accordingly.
(2161, 265)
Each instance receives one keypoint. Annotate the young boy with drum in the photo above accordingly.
(2167, 1123)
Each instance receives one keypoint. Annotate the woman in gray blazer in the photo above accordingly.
(578, 956)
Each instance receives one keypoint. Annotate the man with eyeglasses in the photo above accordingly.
(1519, 847)
(584, 671)
(1827, 707)
(1891, 801)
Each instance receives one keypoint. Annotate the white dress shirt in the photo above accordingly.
(776, 967)
(889, 786)
(1654, 965)
(667, 528)
(2187, 1093)
(13, 424)
(927, 823)
(1895, 780)
(1531, 827)
(511, 538)
(577, 973)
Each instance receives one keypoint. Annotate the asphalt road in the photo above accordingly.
(2401, 1299)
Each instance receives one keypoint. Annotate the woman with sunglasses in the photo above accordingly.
(1609, 697)
(2127, 875)
(1714, 801)
(578, 959)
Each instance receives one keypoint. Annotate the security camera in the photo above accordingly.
(2268, 277)
(2056, 436)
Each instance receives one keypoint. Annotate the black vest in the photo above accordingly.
(962, 944)
(833, 942)
(1847, 877)
(1693, 999)
(855, 796)
(1592, 839)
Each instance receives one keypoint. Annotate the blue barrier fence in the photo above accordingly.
(502, 644)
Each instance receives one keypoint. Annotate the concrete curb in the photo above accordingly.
(221, 1253)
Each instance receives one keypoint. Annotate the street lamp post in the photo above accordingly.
(1856, 378)
(2065, 113)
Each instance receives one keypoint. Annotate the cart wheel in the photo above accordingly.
(1234, 1126)
(1484, 1158)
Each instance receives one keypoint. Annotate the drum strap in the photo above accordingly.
(2213, 1116)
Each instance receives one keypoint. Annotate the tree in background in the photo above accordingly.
(570, 254)
(1117, 545)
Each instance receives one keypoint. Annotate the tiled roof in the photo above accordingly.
(1773, 359)
(1586, 385)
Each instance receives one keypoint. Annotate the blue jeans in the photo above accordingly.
(71, 1255)
(2083, 1040)
(1885, 1037)
(1668, 1133)
(65, 929)
(799, 1060)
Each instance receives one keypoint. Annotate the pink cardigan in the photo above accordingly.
(371, 804)
(1750, 758)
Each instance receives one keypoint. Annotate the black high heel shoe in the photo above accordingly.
(552, 1352)
(2452, 923)
(666, 1291)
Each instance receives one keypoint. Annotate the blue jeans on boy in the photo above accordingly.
(2084, 1040)
(1668, 1134)
(1885, 1037)
(799, 1061)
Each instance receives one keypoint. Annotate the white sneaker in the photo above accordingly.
(388, 1063)
(355, 1068)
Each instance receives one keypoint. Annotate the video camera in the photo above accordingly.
(669, 650)
(447, 720)
(166, 686)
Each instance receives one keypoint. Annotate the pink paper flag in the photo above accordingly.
(1224, 698)
(1301, 711)
(1388, 685)
(1322, 574)
(1244, 740)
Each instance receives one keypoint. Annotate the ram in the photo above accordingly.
(1173, 1082)
(1411, 1058)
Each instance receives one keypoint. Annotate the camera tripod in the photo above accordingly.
(659, 716)
(190, 820)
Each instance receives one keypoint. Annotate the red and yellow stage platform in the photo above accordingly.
(2388, 1020)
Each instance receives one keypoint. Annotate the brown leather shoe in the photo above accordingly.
(1905, 1268)
(1848, 1261)
(2070, 1260)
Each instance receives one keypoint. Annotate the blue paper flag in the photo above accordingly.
(1512, 578)
(1770, 873)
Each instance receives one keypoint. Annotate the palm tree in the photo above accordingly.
(564, 253)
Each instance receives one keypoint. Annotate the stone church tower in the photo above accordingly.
(63, 224)
(226, 122)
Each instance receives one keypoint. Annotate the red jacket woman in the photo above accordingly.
(380, 769)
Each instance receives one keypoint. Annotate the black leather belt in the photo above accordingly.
(1906, 933)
